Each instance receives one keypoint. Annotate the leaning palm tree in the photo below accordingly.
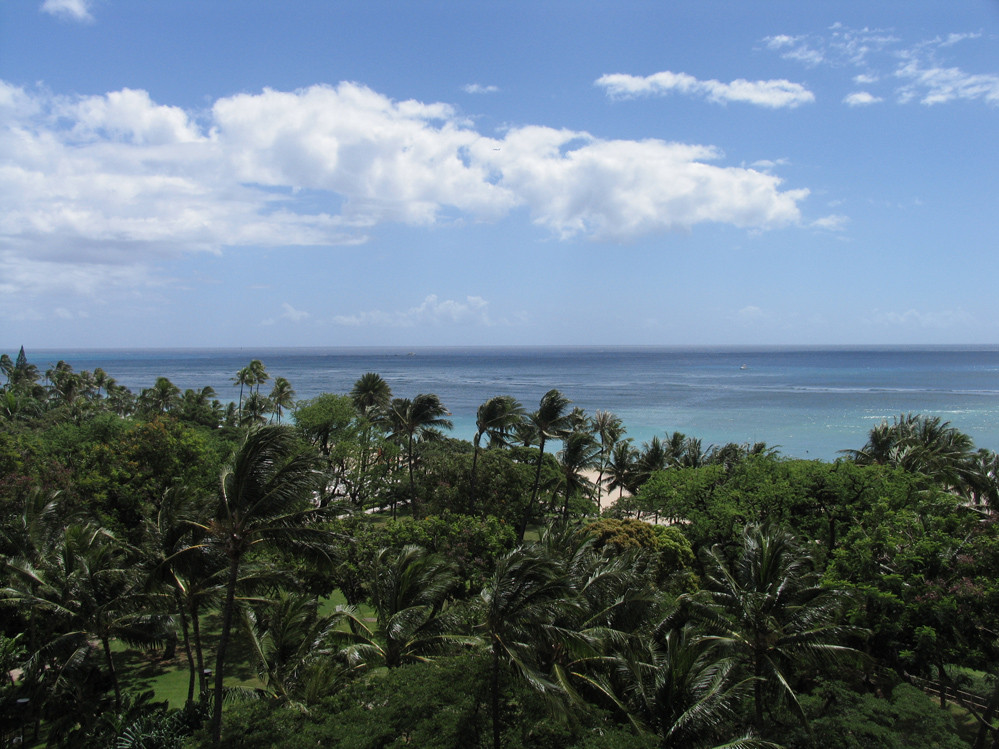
(412, 420)
(497, 417)
(550, 421)
(265, 500)
(771, 612)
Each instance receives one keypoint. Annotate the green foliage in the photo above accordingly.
(845, 718)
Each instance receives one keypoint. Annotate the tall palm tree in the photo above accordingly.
(610, 429)
(243, 377)
(258, 372)
(265, 500)
(771, 612)
(282, 396)
(162, 396)
(550, 421)
(413, 420)
(580, 453)
(521, 603)
(255, 409)
(497, 417)
(621, 468)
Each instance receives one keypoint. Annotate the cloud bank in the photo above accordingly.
(97, 189)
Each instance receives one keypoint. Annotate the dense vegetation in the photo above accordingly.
(352, 577)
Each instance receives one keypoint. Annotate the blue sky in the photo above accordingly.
(208, 173)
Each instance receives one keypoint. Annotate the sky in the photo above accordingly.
(452, 173)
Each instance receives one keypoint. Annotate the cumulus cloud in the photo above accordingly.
(97, 184)
(73, 10)
(432, 311)
(774, 94)
(861, 99)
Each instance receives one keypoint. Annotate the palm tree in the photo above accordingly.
(497, 417)
(580, 453)
(527, 593)
(771, 612)
(550, 421)
(412, 420)
(243, 377)
(282, 396)
(265, 500)
(610, 429)
(409, 591)
(162, 396)
(370, 393)
(254, 409)
(85, 584)
(258, 372)
(621, 468)
(681, 688)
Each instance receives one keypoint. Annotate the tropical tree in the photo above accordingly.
(409, 590)
(683, 689)
(413, 420)
(497, 417)
(161, 397)
(265, 501)
(282, 396)
(255, 409)
(370, 393)
(771, 612)
(550, 421)
(621, 468)
(610, 429)
(579, 454)
(520, 605)
(244, 376)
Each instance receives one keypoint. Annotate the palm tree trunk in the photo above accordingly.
(191, 666)
(111, 669)
(227, 611)
(412, 482)
(522, 527)
(199, 652)
(497, 729)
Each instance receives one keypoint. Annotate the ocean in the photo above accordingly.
(807, 402)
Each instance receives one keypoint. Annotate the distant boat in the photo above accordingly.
(743, 367)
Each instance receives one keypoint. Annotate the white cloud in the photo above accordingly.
(936, 85)
(290, 313)
(832, 222)
(774, 94)
(95, 185)
(861, 99)
(74, 10)
(925, 76)
(478, 88)
(432, 311)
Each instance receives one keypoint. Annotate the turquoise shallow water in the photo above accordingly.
(811, 402)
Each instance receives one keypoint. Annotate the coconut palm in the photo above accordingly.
(85, 585)
(370, 393)
(161, 397)
(265, 500)
(682, 688)
(526, 595)
(621, 468)
(497, 417)
(243, 377)
(413, 420)
(255, 409)
(282, 396)
(550, 421)
(771, 612)
(258, 373)
(580, 453)
(409, 591)
(610, 429)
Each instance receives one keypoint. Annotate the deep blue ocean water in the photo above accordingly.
(811, 402)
